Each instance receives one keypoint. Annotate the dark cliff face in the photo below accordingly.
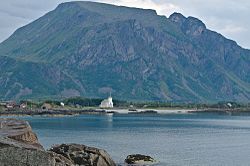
(90, 49)
(190, 26)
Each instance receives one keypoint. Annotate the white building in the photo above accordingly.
(62, 104)
(229, 105)
(107, 103)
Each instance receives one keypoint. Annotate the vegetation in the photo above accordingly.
(79, 102)
(90, 49)
(2, 108)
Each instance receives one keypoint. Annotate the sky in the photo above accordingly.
(228, 17)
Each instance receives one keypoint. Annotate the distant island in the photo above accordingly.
(90, 49)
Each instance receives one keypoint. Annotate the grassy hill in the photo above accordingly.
(90, 49)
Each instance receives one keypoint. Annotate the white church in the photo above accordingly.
(107, 103)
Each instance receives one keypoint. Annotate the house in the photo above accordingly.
(62, 104)
(107, 103)
(23, 105)
(10, 105)
(4, 104)
(229, 105)
(46, 106)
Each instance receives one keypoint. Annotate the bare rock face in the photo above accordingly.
(20, 131)
(83, 155)
(138, 159)
(19, 146)
(14, 153)
(190, 26)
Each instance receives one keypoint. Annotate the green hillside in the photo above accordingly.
(91, 49)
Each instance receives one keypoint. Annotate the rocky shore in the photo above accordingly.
(49, 112)
(19, 146)
(62, 112)
(58, 113)
(223, 111)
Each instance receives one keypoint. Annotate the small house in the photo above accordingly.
(62, 104)
(10, 105)
(107, 103)
(3, 104)
(23, 105)
(229, 105)
(46, 106)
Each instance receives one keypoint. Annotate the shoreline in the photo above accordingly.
(66, 112)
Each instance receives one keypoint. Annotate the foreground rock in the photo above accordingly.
(83, 155)
(20, 131)
(19, 146)
(138, 159)
(15, 154)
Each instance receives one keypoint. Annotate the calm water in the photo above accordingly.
(172, 139)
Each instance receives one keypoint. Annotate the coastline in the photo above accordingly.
(160, 111)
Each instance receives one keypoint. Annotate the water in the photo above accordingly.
(175, 139)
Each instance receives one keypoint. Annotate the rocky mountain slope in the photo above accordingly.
(91, 49)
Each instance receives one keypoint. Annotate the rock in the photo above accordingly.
(138, 159)
(13, 153)
(190, 26)
(149, 112)
(84, 155)
(20, 131)
(177, 18)
(19, 146)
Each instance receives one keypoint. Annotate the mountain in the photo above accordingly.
(91, 49)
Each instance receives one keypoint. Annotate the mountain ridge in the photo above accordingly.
(97, 48)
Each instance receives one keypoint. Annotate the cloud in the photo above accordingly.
(229, 17)
(162, 8)
(232, 29)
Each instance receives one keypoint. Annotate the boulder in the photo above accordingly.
(84, 155)
(20, 131)
(19, 146)
(14, 153)
(138, 159)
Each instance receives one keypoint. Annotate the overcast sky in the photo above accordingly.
(228, 17)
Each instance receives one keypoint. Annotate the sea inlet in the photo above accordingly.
(172, 139)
